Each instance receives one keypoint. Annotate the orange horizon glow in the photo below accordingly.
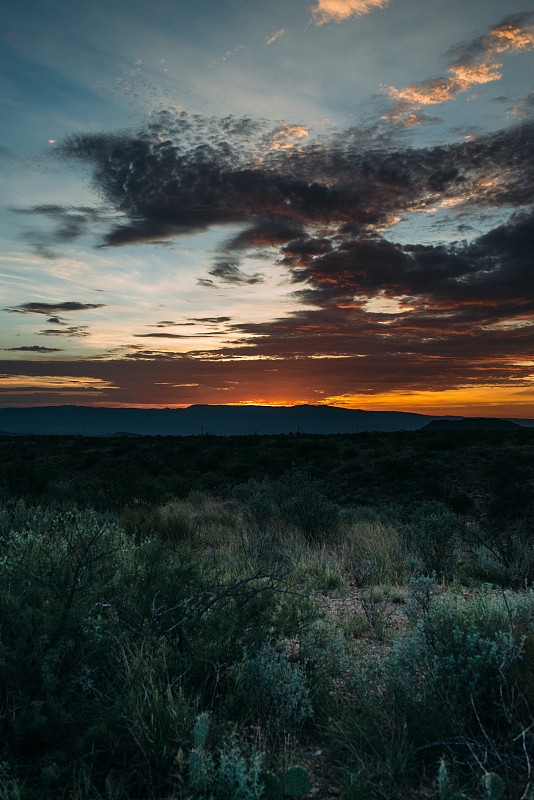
(483, 402)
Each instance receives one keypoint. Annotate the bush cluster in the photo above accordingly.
(159, 648)
(111, 646)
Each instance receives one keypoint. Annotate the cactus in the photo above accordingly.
(444, 782)
(200, 730)
(296, 781)
(492, 785)
(200, 761)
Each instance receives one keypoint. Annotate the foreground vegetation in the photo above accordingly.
(266, 639)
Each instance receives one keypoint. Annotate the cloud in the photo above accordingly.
(211, 320)
(375, 315)
(73, 331)
(38, 383)
(162, 190)
(34, 348)
(476, 63)
(69, 223)
(227, 271)
(52, 308)
(340, 10)
(167, 323)
(175, 335)
(276, 36)
(283, 138)
(56, 321)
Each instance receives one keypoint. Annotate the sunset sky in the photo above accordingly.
(272, 202)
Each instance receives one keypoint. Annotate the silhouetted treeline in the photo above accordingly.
(372, 469)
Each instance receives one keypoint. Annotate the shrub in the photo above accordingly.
(273, 690)
(500, 552)
(431, 533)
(108, 646)
(325, 656)
(226, 773)
(295, 499)
(448, 682)
(373, 551)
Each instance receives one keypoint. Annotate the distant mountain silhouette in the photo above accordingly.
(472, 424)
(206, 419)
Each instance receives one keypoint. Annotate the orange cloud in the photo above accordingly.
(510, 36)
(24, 384)
(340, 10)
(284, 137)
(478, 66)
(276, 36)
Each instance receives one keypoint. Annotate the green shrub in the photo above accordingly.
(373, 551)
(457, 656)
(295, 499)
(325, 656)
(273, 691)
(448, 681)
(225, 773)
(108, 645)
(499, 553)
(294, 782)
(432, 533)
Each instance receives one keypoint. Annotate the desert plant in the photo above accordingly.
(446, 786)
(273, 690)
(294, 782)
(431, 533)
(224, 773)
(295, 499)
(372, 550)
(448, 682)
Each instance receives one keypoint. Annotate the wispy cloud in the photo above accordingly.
(227, 270)
(72, 331)
(211, 320)
(35, 384)
(34, 348)
(276, 36)
(52, 308)
(476, 63)
(340, 10)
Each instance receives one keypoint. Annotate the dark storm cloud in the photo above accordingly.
(267, 231)
(494, 270)
(459, 311)
(170, 187)
(52, 308)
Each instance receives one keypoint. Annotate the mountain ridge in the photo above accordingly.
(204, 419)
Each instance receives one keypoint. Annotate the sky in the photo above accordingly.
(279, 202)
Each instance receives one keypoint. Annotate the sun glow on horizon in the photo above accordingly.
(487, 401)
